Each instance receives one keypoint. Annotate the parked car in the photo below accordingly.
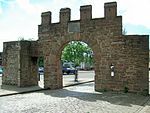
(68, 68)
(41, 70)
(1, 70)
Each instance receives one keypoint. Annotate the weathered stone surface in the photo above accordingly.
(128, 54)
(20, 67)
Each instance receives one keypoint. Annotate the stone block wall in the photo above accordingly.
(20, 68)
(137, 71)
(128, 54)
(11, 63)
(28, 65)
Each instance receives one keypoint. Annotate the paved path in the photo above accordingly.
(75, 99)
(84, 76)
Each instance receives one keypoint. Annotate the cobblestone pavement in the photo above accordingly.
(74, 99)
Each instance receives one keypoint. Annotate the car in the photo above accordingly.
(1, 70)
(41, 70)
(69, 68)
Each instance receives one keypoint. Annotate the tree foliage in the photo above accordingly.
(77, 52)
(41, 62)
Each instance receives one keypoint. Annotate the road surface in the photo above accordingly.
(83, 76)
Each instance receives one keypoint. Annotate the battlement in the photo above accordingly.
(46, 18)
(110, 4)
(64, 15)
(64, 10)
(110, 12)
(86, 12)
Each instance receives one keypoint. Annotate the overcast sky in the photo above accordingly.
(20, 18)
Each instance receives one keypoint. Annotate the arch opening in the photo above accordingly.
(40, 75)
(77, 63)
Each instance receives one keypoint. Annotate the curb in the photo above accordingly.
(79, 83)
(23, 92)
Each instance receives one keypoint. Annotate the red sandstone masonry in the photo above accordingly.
(128, 54)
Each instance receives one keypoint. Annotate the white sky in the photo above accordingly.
(20, 18)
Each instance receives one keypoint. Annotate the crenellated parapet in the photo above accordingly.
(66, 25)
(110, 11)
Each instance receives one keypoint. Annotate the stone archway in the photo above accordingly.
(104, 36)
(53, 62)
(80, 56)
(127, 54)
(60, 53)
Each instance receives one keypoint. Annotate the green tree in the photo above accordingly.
(77, 52)
(41, 62)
